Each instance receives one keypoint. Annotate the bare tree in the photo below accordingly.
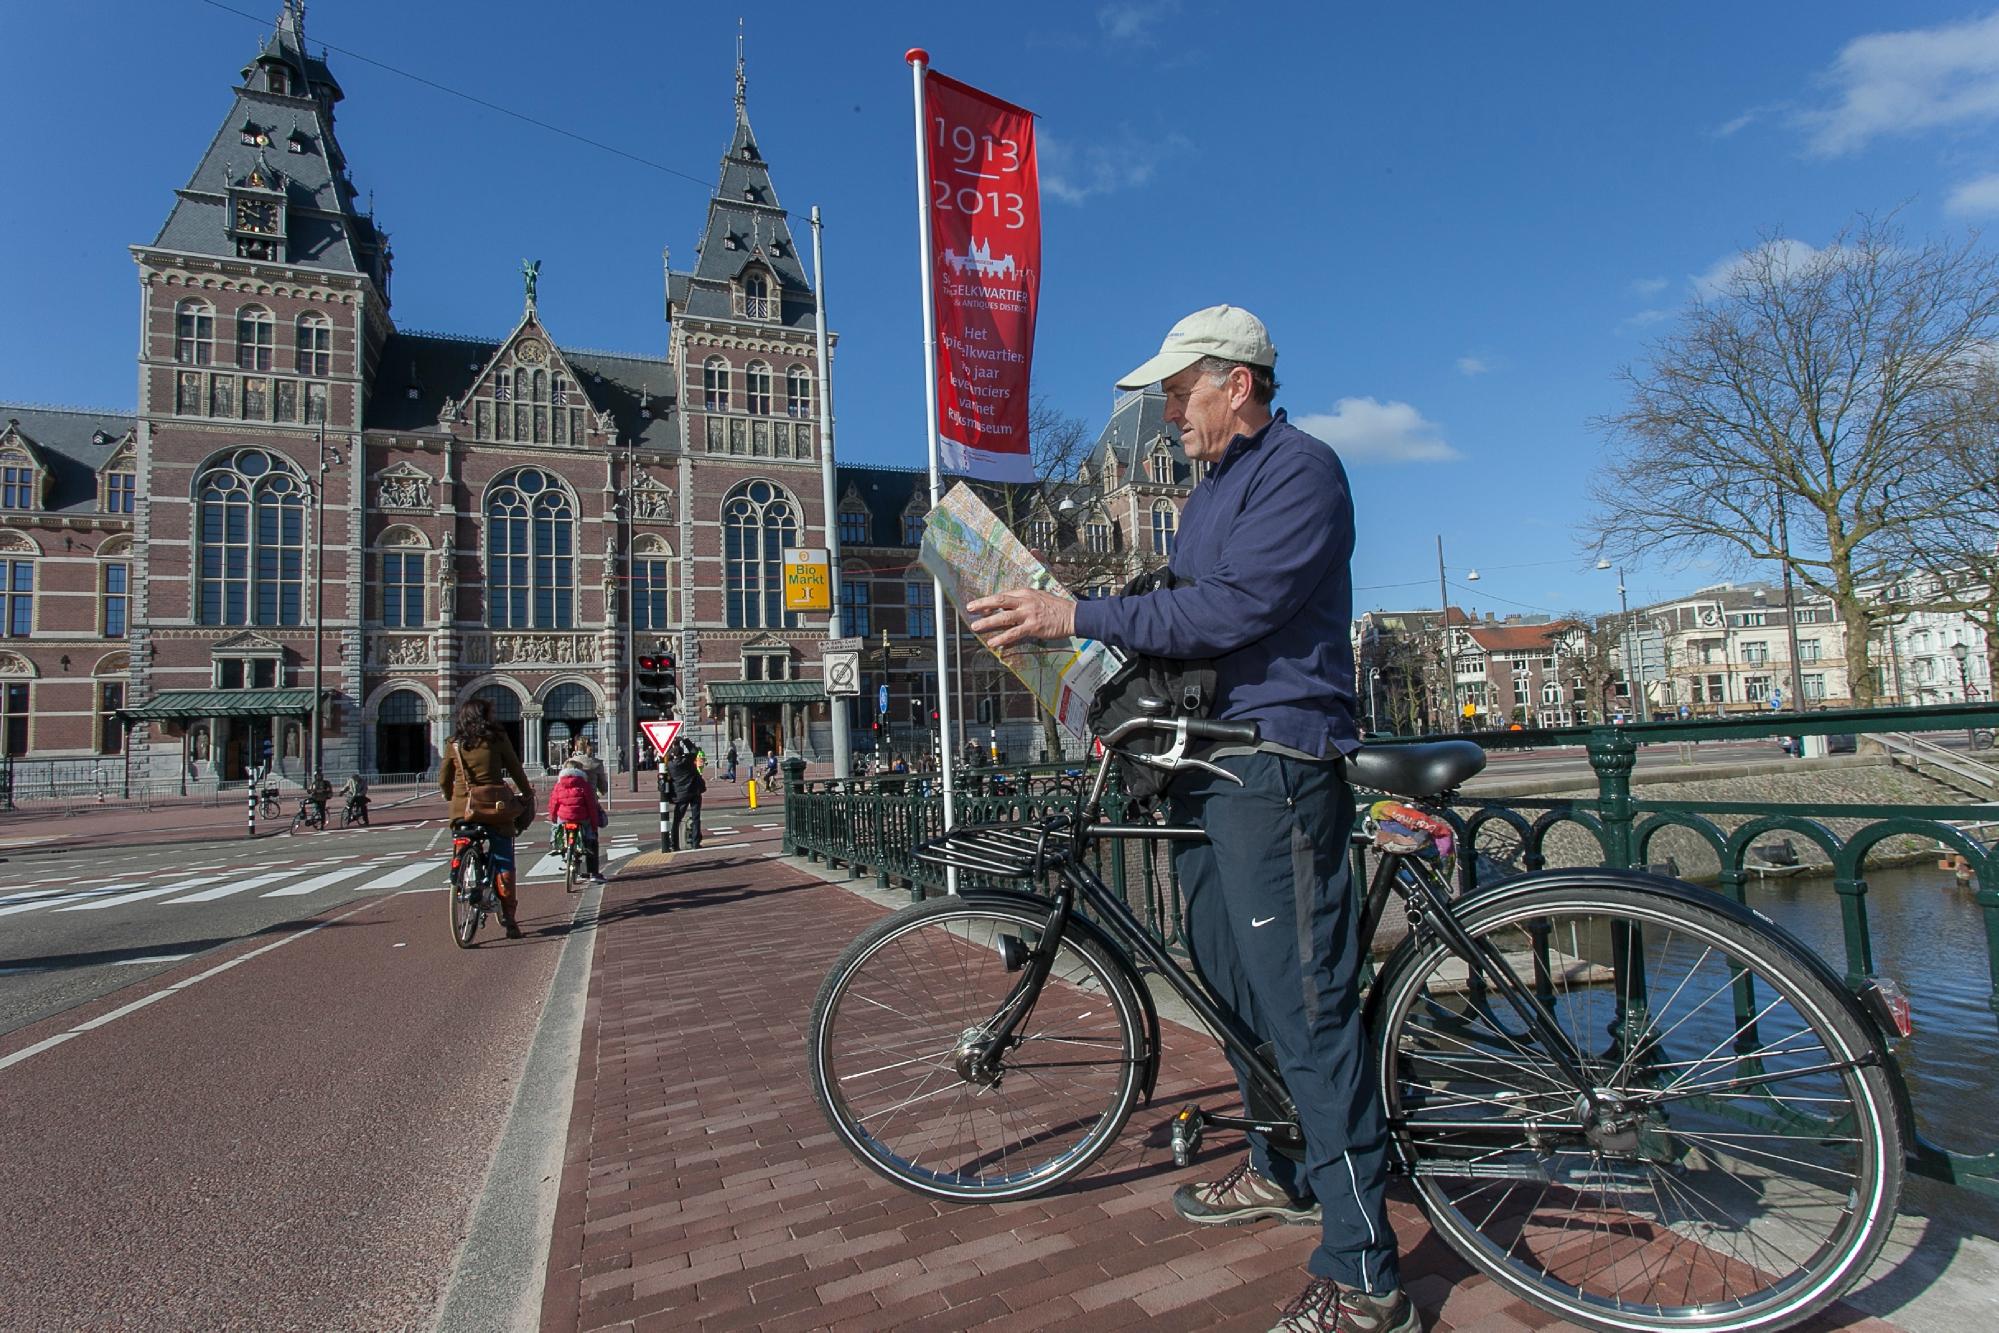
(1812, 385)
(1591, 660)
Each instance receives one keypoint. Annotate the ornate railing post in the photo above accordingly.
(1613, 754)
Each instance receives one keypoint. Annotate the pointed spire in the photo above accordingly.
(742, 82)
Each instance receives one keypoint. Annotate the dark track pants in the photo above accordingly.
(1272, 913)
(691, 812)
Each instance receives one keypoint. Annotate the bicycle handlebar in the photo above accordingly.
(1194, 728)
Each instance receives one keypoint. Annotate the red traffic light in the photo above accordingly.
(655, 664)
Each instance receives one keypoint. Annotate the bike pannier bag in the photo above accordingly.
(1188, 686)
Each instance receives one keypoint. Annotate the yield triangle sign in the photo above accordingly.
(661, 734)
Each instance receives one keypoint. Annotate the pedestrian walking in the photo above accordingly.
(731, 759)
(1264, 588)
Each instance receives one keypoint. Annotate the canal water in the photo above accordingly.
(1929, 934)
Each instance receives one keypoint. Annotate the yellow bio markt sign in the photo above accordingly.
(808, 586)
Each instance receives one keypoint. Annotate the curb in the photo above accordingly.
(502, 1266)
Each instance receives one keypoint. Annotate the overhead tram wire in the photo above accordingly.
(351, 54)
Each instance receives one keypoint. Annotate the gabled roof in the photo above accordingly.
(886, 491)
(745, 223)
(440, 366)
(1518, 638)
(73, 444)
(325, 226)
(1138, 425)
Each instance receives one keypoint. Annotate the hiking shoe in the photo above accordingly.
(1327, 1307)
(513, 931)
(1243, 1195)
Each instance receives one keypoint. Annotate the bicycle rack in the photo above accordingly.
(1007, 851)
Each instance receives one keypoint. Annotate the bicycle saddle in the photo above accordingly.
(1415, 770)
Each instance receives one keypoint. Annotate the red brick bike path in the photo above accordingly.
(702, 1189)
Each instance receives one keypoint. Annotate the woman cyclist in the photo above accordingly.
(481, 755)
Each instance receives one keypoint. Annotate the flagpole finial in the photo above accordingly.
(917, 56)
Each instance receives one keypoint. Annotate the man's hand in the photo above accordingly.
(1019, 614)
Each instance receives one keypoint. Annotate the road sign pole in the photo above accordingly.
(665, 813)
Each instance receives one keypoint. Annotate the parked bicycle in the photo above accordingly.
(1627, 1099)
(474, 896)
(268, 803)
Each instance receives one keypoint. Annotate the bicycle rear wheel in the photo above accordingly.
(1749, 1165)
(891, 1033)
(468, 887)
(572, 855)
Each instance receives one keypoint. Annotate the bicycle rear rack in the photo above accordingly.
(1007, 851)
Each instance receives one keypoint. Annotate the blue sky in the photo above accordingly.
(1458, 221)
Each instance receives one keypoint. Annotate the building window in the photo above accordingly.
(649, 594)
(855, 600)
(110, 731)
(402, 589)
(194, 333)
(756, 388)
(715, 384)
(798, 392)
(17, 487)
(1808, 650)
(1041, 534)
(250, 534)
(1162, 469)
(117, 579)
(17, 598)
(1755, 654)
(14, 718)
(912, 527)
(757, 302)
(759, 525)
(854, 527)
(315, 346)
(120, 492)
(1165, 529)
(1097, 537)
(530, 553)
(922, 610)
(1813, 684)
(256, 338)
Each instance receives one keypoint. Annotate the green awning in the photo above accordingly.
(767, 691)
(186, 705)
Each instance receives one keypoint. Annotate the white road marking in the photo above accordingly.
(316, 883)
(240, 886)
(69, 896)
(120, 900)
(719, 846)
(395, 879)
(549, 867)
(156, 958)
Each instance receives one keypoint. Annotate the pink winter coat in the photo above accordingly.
(573, 800)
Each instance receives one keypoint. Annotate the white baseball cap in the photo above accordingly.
(1226, 331)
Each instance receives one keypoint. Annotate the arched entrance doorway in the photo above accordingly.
(402, 734)
(506, 707)
(569, 711)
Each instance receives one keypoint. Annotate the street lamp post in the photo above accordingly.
(1634, 664)
(319, 598)
(1962, 652)
(1790, 614)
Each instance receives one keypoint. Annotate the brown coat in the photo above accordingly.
(490, 761)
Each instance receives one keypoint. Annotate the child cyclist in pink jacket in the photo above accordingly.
(573, 800)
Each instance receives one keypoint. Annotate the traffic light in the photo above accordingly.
(658, 686)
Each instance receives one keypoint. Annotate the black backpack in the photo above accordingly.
(1188, 687)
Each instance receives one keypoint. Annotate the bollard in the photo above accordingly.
(753, 793)
(665, 816)
(250, 812)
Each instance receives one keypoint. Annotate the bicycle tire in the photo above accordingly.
(1632, 1230)
(913, 988)
(468, 885)
(569, 868)
(298, 821)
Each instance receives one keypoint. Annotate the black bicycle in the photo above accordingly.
(473, 894)
(1629, 1100)
(310, 814)
(569, 845)
(269, 802)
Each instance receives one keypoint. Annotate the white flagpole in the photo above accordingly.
(919, 59)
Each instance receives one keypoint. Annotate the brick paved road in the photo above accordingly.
(703, 1190)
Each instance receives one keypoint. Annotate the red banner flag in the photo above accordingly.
(985, 260)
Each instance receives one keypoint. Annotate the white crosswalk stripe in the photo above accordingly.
(239, 886)
(119, 901)
(318, 882)
(67, 896)
(395, 879)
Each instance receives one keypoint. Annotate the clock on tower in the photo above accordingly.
(258, 215)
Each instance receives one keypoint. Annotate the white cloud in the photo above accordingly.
(1366, 430)
(1904, 82)
(1134, 20)
(1975, 198)
(1648, 286)
(1789, 254)
(1731, 127)
(1473, 365)
(1075, 174)
(1644, 319)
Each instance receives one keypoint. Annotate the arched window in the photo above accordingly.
(652, 585)
(756, 385)
(798, 392)
(256, 338)
(530, 553)
(194, 333)
(715, 384)
(1165, 528)
(250, 532)
(758, 526)
(757, 302)
(315, 345)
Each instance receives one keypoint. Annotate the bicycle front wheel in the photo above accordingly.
(894, 1028)
(1742, 1161)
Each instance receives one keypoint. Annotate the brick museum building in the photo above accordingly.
(309, 496)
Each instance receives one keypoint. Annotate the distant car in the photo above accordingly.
(1843, 743)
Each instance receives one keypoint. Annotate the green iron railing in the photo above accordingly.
(870, 827)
